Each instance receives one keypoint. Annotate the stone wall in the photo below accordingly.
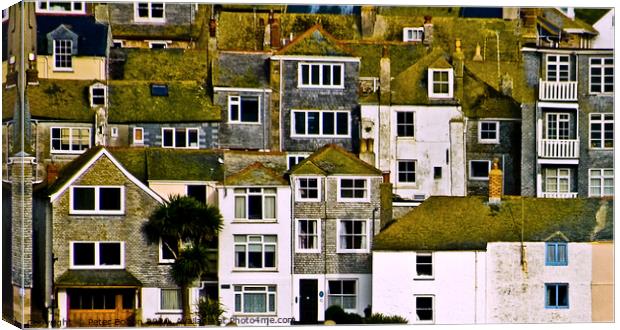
(244, 135)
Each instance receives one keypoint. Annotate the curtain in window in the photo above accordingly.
(270, 207)
(240, 207)
(170, 299)
(254, 303)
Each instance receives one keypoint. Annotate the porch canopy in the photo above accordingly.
(100, 278)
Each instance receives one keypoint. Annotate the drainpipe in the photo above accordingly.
(372, 243)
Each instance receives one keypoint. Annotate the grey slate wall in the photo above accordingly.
(207, 133)
(294, 98)
(175, 13)
(329, 212)
(244, 135)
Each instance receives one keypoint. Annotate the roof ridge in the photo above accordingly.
(307, 33)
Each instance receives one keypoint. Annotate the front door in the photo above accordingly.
(308, 301)
(101, 307)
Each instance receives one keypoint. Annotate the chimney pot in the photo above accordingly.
(386, 177)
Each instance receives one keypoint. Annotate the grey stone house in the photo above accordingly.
(314, 93)
(568, 139)
(337, 208)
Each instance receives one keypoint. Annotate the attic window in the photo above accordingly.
(440, 83)
(159, 90)
(72, 7)
(413, 34)
(149, 12)
(98, 93)
(158, 44)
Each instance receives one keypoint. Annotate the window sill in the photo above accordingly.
(308, 87)
(412, 138)
(63, 70)
(246, 221)
(254, 270)
(478, 179)
(149, 20)
(68, 152)
(296, 136)
(424, 278)
(488, 141)
(302, 200)
(601, 149)
(94, 213)
(169, 311)
(353, 200)
(441, 97)
(339, 251)
(244, 123)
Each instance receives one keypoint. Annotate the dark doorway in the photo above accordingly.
(308, 301)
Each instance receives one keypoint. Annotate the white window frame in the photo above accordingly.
(603, 65)
(163, 260)
(299, 198)
(560, 117)
(68, 56)
(97, 261)
(49, 10)
(70, 151)
(97, 210)
(236, 100)
(270, 295)
(496, 130)
(298, 248)
(263, 194)
(320, 134)
(557, 63)
(415, 32)
(604, 119)
(149, 18)
(136, 141)
(471, 170)
(263, 243)
(174, 137)
(118, 41)
(601, 177)
(321, 66)
(398, 124)
(431, 84)
(425, 277)
(169, 310)
(558, 178)
(299, 157)
(365, 199)
(164, 43)
(415, 300)
(342, 249)
(92, 95)
(356, 294)
(415, 170)
(114, 131)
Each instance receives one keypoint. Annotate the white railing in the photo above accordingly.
(558, 148)
(558, 194)
(557, 90)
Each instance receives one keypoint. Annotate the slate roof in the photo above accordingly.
(332, 159)
(315, 41)
(241, 69)
(97, 278)
(58, 99)
(68, 171)
(92, 35)
(469, 223)
(256, 175)
(162, 64)
(402, 55)
(557, 19)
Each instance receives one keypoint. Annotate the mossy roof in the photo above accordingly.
(559, 20)
(98, 278)
(591, 15)
(256, 174)
(332, 159)
(481, 100)
(241, 69)
(170, 164)
(341, 27)
(402, 55)
(487, 72)
(410, 86)
(164, 64)
(434, 11)
(468, 223)
(315, 41)
(132, 102)
(68, 171)
(58, 99)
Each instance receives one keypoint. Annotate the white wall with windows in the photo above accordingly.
(350, 291)
(422, 148)
(254, 261)
(445, 287)
(165, 303)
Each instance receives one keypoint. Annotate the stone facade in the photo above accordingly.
(207, 133)
(244, 135)
(175, 13)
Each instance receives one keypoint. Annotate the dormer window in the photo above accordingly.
(440, 83)
(61, 7)
(413, 34)
(98, 94)
(321, 75)
(149, 12)
(63, 55)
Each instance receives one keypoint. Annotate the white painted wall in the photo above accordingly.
(605, 28)
(458, 279)
(169, 188)
(515, 296)
(364, 292)
(281, 277)
(151, 302)
(435, 135)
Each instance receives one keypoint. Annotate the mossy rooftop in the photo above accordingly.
(469, 223)
(332, 159)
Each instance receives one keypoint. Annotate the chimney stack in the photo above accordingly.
(52, 173)
(428, 31)
(458, 62)
(385, 78)
(495, 183)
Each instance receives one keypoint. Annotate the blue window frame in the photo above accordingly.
(556, 295)
(556, 254)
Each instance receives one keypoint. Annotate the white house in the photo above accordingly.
(463, 261)
(605, 27)
(254, 259)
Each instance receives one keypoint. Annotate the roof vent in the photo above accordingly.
(159, 90)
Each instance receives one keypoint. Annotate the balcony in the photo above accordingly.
(558, 148)
(558, 194)
(557, 90)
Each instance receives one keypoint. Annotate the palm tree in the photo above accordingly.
(192, 225)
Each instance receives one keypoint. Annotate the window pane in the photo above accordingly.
(305, 74)
(270, 207)
(180, 139)
(239, 255)
(337, 75)
(255, 256)
(562, 295)
(328, 123)
(327, 75)
(249, 109)
(254, 302)
(479, 169)
(313, 122)
(168, 137)
(170, 299)
(83, 198)
(84, 254)
(551, 295)
(110, 199)
(342, 123)
(300, 123)
(255, 207)
(270, 255)
(315, 75)
(110, 254)
(240, 207)
(169, 248)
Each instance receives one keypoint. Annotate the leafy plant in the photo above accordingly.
(209, 311)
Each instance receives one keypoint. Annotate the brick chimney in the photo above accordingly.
(274, 26)
(369, 16)
(52, 173)
(495, 183)
(21, 167)
(428, 30)
(385, 78)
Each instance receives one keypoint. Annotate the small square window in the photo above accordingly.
(556, 295)
(424, 265)
(488, 132)
(479, 169)
(556, 254)
(138, 135)
(170, 299)
(308, 189)
(413, 34)
(353, 190)
(440, 83)
(114, 132)
(118, 44)
(424, 308)
(406, 171)
(437, 172)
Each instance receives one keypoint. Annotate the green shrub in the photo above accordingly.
(379, 318)
(209, 311)
(337, 314)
